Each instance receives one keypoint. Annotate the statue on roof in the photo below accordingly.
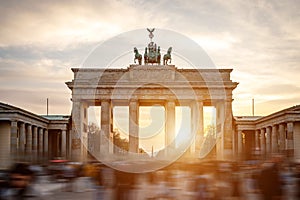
(151, 30)
(137, 56)
(167, 57)
(152, 52)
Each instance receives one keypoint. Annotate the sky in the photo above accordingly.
(40, 41)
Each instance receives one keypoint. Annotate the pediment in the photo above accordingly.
(6, 107)
(296, 108)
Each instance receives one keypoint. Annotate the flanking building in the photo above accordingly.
(25, 136)
(263, 137)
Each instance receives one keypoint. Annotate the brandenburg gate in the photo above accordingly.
(148, 84)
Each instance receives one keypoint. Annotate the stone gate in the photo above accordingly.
(146, 85)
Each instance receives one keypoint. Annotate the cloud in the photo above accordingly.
(34, 100)
(40, 41)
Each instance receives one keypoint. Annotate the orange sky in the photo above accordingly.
(41, 41)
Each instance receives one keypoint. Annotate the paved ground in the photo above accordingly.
(83, 189)
(71, 196)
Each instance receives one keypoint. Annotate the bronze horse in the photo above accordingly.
(168, 56)
(137, 56)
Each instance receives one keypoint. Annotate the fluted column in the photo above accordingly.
(262, 141)
(105, 126)
(34, 142)
(46, 142)
(290, 137)
(63, 143)
(13, 138)
(268, 140)
(22, 138)
(240, 142)
(77, 131)
(228, 144)
(257, 132)
(133, 126)
(41, 140)
(200, 123)
(28, 146)
(170, 124)
(274, 139)
(282, 137)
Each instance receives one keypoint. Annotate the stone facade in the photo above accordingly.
(147, 85)
(29, 137)
(278, 133)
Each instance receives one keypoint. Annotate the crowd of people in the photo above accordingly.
(273, 179)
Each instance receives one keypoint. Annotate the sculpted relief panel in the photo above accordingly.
(146, 73)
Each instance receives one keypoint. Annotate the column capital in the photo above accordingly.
(290, 123)
(133, 100)
(106, 100)
(228, 100)
(13, 122)
(171, 102)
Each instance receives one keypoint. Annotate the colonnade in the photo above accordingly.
(30, 141)
(272, 139)
(80, 122)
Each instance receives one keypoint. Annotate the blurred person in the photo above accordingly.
(3, 183)
(288, 179)
(105, 183)
(269, 182)
(235, 182)
(162, 190)
(20, 183)
(124, 185)
(297, 174)
(202, 188)
(69, 173)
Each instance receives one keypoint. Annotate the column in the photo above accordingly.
(77, 129)
(282, 137)
(105, 126)
(45, 143)
(84, 133)
(63, 143)
(133, 126)
(274, 139)
(240, 142)
(13, 138)
(28, 146)
(34, 142)
(41, 140)
(268, 140)
(262, 141)
(199, 126)
(257, 132)
(224, 145)
(70, 147)
(22, 139)
(228, 144)
(170, 125)
(290, 138)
